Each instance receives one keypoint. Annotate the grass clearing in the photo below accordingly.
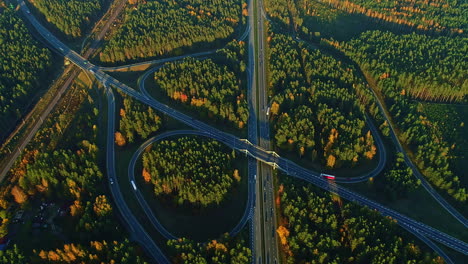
(420, 206)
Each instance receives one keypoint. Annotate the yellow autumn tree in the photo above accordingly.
(331, 161)
(236, 175)
(216, 246)
(274, 109)
(101, 206)
(53, 256)
(43, 254)
(283, 234)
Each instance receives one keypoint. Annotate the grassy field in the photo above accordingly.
(420, 206)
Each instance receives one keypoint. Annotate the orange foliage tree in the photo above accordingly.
(120, 139)
(18, 194)
(146, 175)
(283, 234)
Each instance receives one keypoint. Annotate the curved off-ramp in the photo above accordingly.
(149, 212)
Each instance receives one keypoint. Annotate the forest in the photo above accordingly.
(221, 251)
(70, 17)
(399, 180)
(449, 121)
(310, 17)
(425, 68)
(318, 105)
(191, 170)
(445, 15)
(318, 227)
(155, 28)
(94, 253)
(136, 120)
(403, 68)
(62, 165)
(209, 86)
(376, 53)
(23, 65)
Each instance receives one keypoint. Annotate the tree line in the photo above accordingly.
(221, 251)
(98, 251)
(136, 120)
(318, 105)
(447, 16)
(155, 28)
(313, 17)
(190, 170)
(94, 252)
(318, 227)
(70, 16)
(23, 65)
(399, 180)
(209, 86)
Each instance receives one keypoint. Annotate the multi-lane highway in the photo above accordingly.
(241, 145)
(265, 219)
(274, 160)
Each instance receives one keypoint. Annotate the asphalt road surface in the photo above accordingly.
(266, 206)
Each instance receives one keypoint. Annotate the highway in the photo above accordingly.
(274, 160)
(241, 145)
(266, 210)
(252, 135)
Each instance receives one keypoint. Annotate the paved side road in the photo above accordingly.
(154, 221)
(137, 231)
